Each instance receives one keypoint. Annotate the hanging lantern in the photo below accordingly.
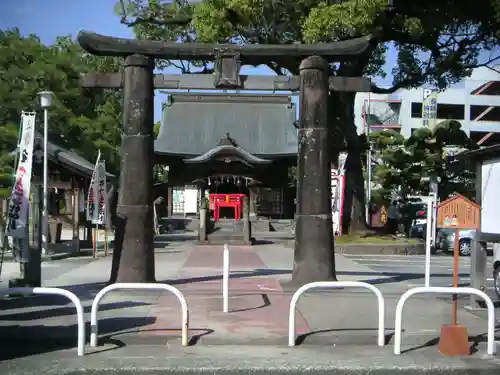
(238, 182)
(209, 182)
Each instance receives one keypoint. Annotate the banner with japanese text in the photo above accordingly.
(101, 194)
(92, 197)
(19, 200)
(429, 109)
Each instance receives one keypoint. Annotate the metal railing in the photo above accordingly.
(444, 290)
(335, 285)
(58, 292)
(138, 286)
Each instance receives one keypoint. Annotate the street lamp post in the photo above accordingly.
(46, 98)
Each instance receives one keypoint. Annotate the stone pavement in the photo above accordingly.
(334, 327)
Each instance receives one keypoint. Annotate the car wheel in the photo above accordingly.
(496, 280)
(465, 247)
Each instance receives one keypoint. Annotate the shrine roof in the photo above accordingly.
(228, 149)
(65, 157)
(262, 125)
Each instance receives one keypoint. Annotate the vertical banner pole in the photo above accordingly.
(94, 243)
(105, 241)
(93, 204)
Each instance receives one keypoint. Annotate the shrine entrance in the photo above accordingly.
(231, 144)
(226, 195)
(228, 185)
(314, 249)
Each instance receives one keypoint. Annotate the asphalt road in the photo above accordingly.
(441, 268)
(50, 269)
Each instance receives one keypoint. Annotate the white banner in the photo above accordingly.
(429, 109)
(92, 198)
(337, 196)
(19, 200)
(101, 193)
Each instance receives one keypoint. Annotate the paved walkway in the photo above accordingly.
(258, 304)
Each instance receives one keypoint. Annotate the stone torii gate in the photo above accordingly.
(314, 252)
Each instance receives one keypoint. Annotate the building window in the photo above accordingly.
(451, 111)
(484, 113)
(444, 111)
(416, 110)
(491, 88)
(485, 139)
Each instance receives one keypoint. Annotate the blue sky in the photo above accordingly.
(51, 18)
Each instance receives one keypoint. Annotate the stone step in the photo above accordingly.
(179, 223)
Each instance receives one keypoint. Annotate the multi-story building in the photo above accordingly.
(474, 102)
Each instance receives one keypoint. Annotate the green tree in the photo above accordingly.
(80, 120)
(406, 165)
(436, 42)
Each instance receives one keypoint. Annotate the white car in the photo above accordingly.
(496, 270)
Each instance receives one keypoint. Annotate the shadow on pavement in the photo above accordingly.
(474, 340)
(265, 302)
(391, 277)
(150, 337)
(63, 311)
(21, 341)
(175, 237)
(236, 275)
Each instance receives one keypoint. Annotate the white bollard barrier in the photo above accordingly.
(59, 292)
(138, 286)
(334, 285)
(225, 279)
(444, 290)
(428, 241)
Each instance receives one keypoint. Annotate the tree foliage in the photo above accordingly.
(404, 166)
(81, 120)
(436, 42)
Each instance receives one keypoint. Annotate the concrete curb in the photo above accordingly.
(402, 249)
(239, 360)
(48, 257)
(367, 248)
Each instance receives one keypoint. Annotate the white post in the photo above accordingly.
(336, 285)
(45, 102)
(59, 292)
(398, 323)
(428, 241)
(369, 181)
(434, 217)
(225, 279)
(137, 286)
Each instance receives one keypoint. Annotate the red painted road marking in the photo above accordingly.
(253, 313)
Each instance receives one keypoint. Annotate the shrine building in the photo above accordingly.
(229, 144)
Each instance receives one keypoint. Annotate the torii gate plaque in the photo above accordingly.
(314, 253)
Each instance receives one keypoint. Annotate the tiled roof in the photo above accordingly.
(262, 125)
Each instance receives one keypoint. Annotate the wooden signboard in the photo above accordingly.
(458, 212)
